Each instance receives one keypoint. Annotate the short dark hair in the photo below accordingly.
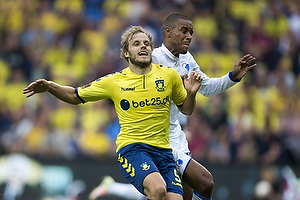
(172, 20)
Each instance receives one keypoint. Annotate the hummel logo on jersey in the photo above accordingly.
(177, 179)
(126, 165)
(127, 89)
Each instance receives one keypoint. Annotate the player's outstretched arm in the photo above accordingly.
(192, 85)
(64, 93)
(243, 66)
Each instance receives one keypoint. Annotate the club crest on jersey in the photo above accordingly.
(179, 162)
(186, 66)
(145, 166)
(160, 85)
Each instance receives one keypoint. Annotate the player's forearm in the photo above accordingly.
(214, 86)
(189, 104)
(64, 93)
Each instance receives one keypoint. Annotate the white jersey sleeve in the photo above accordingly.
(210, 86)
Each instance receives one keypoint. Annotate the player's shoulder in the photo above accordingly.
(111, 76)
(161, 67)
(157, 50)
(187, 55)
(164, 69)
(158, 53)
(122, 72)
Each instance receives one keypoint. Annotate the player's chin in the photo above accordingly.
(184, 49)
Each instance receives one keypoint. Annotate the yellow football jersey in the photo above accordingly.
(142, 102)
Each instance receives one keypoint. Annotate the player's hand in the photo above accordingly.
(193, 83)
(243, 66)
(38, 86)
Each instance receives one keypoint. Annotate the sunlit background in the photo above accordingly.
(248, 136)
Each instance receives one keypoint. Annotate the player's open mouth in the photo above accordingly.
(143, 53)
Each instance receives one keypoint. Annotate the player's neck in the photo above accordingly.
(140, 70)
(171, 49)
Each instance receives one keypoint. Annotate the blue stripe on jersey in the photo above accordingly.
(76, 91)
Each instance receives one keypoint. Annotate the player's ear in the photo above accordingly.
(168, 31)
(126, 54)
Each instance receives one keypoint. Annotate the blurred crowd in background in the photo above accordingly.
(75, 42)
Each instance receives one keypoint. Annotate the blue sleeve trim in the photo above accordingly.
(235, 80)
(76, 91)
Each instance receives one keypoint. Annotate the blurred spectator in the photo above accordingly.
(269, 186)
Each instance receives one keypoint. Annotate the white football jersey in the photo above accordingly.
(209, 87)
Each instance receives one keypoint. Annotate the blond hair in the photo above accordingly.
(127, 36)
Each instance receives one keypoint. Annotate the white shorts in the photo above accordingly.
(182, 161)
